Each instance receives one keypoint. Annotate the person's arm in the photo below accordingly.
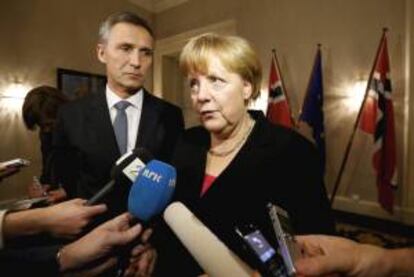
(90, 255)
(2, 216)
(401, 260)
(328, 254)
(62, 220)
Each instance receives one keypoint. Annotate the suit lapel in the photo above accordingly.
(148, 121)
(99, 119)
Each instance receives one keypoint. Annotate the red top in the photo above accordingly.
(207, 182)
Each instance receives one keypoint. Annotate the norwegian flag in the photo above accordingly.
(278, 110)
(377, 119)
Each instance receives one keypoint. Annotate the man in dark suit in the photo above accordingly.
(93, 132)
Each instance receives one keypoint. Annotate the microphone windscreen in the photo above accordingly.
(211, 254)
(125, 171)
(128, 166)
(152, 190)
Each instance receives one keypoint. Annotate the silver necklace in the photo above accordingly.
(234, 147)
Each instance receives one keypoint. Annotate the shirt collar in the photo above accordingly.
(135, 100)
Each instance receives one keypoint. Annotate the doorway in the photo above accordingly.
(169, 83)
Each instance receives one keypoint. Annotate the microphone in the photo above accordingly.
(152, 190)
(148, 196)
(125, 171)
(212, 255)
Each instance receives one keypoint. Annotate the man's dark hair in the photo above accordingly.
(121, 17)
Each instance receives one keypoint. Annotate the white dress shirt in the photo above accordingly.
(133, 113)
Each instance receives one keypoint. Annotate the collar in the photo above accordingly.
(135, 100)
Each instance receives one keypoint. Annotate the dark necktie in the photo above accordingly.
(121, 125)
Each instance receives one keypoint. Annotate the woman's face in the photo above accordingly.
(219, 97)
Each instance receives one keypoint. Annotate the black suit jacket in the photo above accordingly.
(30, 261)
(274, 165)
(85, 142)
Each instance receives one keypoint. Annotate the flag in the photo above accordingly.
(311, 118)
(377, 119)
(278, 111)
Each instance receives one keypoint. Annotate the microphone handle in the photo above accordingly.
(100, 194)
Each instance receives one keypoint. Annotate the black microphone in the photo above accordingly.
(124, 172)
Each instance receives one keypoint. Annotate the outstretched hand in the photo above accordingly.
(329, 255)
(67, 219)
(99, 244)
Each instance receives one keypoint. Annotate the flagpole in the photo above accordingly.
(292, 118)
(351, 139)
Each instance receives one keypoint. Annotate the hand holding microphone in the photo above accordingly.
(99, 244)
(148, 196)
(68, 218)
(152, 188)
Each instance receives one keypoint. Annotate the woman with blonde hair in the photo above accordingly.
(236, 162)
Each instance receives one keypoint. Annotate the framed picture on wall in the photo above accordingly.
(75, 84)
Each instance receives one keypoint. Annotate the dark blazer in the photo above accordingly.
(30, 261)
(85, 142)
(274, 165)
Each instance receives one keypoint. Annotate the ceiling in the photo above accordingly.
(157, 6)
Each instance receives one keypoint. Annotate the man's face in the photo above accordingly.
(127, 53)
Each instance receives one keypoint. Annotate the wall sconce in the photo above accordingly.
(13, 96)
(355, 95)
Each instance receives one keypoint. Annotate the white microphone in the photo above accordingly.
(211, 254)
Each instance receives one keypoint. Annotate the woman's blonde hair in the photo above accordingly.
(235, 53)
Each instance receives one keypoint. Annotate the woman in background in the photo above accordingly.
(40, 108)
(229, 168)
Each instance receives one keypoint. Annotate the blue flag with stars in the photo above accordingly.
(312, 109)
